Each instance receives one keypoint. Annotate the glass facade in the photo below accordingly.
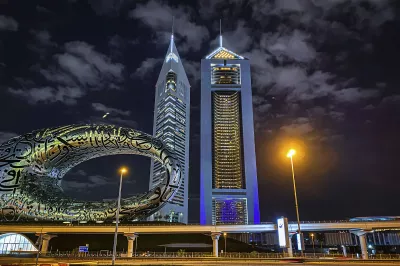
(170, 128)
(171, 125)
(229, 211)
(228, 172)
(15, 242)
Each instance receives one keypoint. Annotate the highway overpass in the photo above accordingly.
(133, 230)
(177, 228)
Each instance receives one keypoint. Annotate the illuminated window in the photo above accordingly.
(229, 211)
(225, 74)
(228, 167)
(223, 53)
(171, 81)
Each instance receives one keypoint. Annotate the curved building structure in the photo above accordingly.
(32, 167)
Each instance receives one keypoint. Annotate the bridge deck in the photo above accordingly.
(163, 229)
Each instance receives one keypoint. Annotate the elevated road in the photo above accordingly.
(175, 229)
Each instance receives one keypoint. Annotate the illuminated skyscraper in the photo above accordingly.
(228, 177)
(171, 124)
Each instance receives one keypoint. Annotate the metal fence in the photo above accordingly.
(160, 223)
(237, 255)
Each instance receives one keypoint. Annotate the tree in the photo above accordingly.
(253, 254)
(181, 252)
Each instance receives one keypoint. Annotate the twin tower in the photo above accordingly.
(228, 175)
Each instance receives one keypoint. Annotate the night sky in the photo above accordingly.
(325, 80)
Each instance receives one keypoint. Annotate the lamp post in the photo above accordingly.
(225, 241)
(313, 246)
(290, 155)
(40, 241)
(123, 171)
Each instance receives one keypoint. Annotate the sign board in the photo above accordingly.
(300, 241)
(83, 248)
(283, 232)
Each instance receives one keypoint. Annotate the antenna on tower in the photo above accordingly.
(172, 32)
(173, 20)
(220, 33)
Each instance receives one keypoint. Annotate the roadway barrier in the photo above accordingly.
(226, 255)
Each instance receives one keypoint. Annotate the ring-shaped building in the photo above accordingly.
(32, 167)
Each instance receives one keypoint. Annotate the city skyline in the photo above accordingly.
(323, 80)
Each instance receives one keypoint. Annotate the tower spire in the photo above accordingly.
(172, 32)
(220, 34)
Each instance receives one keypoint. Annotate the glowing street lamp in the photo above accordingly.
(225, 241)
(290, 155)
(312, 237)
(122, 171)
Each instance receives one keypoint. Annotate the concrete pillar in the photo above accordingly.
(363, 244)
(362, 237)
(215, 238)
(344, 251)
(45, 242)
(131, 238)
(290, 248)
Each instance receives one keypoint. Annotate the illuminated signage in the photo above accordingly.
(300, 241)
(83, 248)
(283, 232)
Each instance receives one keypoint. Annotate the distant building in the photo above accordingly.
(171, 124)
(228, 177)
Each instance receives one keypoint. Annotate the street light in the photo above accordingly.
(123, 171)
(312, 237)
(290, 155)
(225, 241)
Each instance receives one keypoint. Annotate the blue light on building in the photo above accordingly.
(228, 177)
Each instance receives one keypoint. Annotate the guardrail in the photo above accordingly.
(160, 223)
(230, 255)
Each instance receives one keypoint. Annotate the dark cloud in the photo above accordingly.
(66, 95)
(42, 9)
(73, 73)
(43, 37)
(8, 23)
(293, 46)
(299, 126)
(43, 43)
(393, 99)
(158, 16)
(147, 67)
(354, 94)
(108, 7)
(192, 69)
(80, 181)
(105, 109)
(238, 40)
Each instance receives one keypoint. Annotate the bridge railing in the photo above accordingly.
(107, 224)
(155, 223)
(237, 255)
